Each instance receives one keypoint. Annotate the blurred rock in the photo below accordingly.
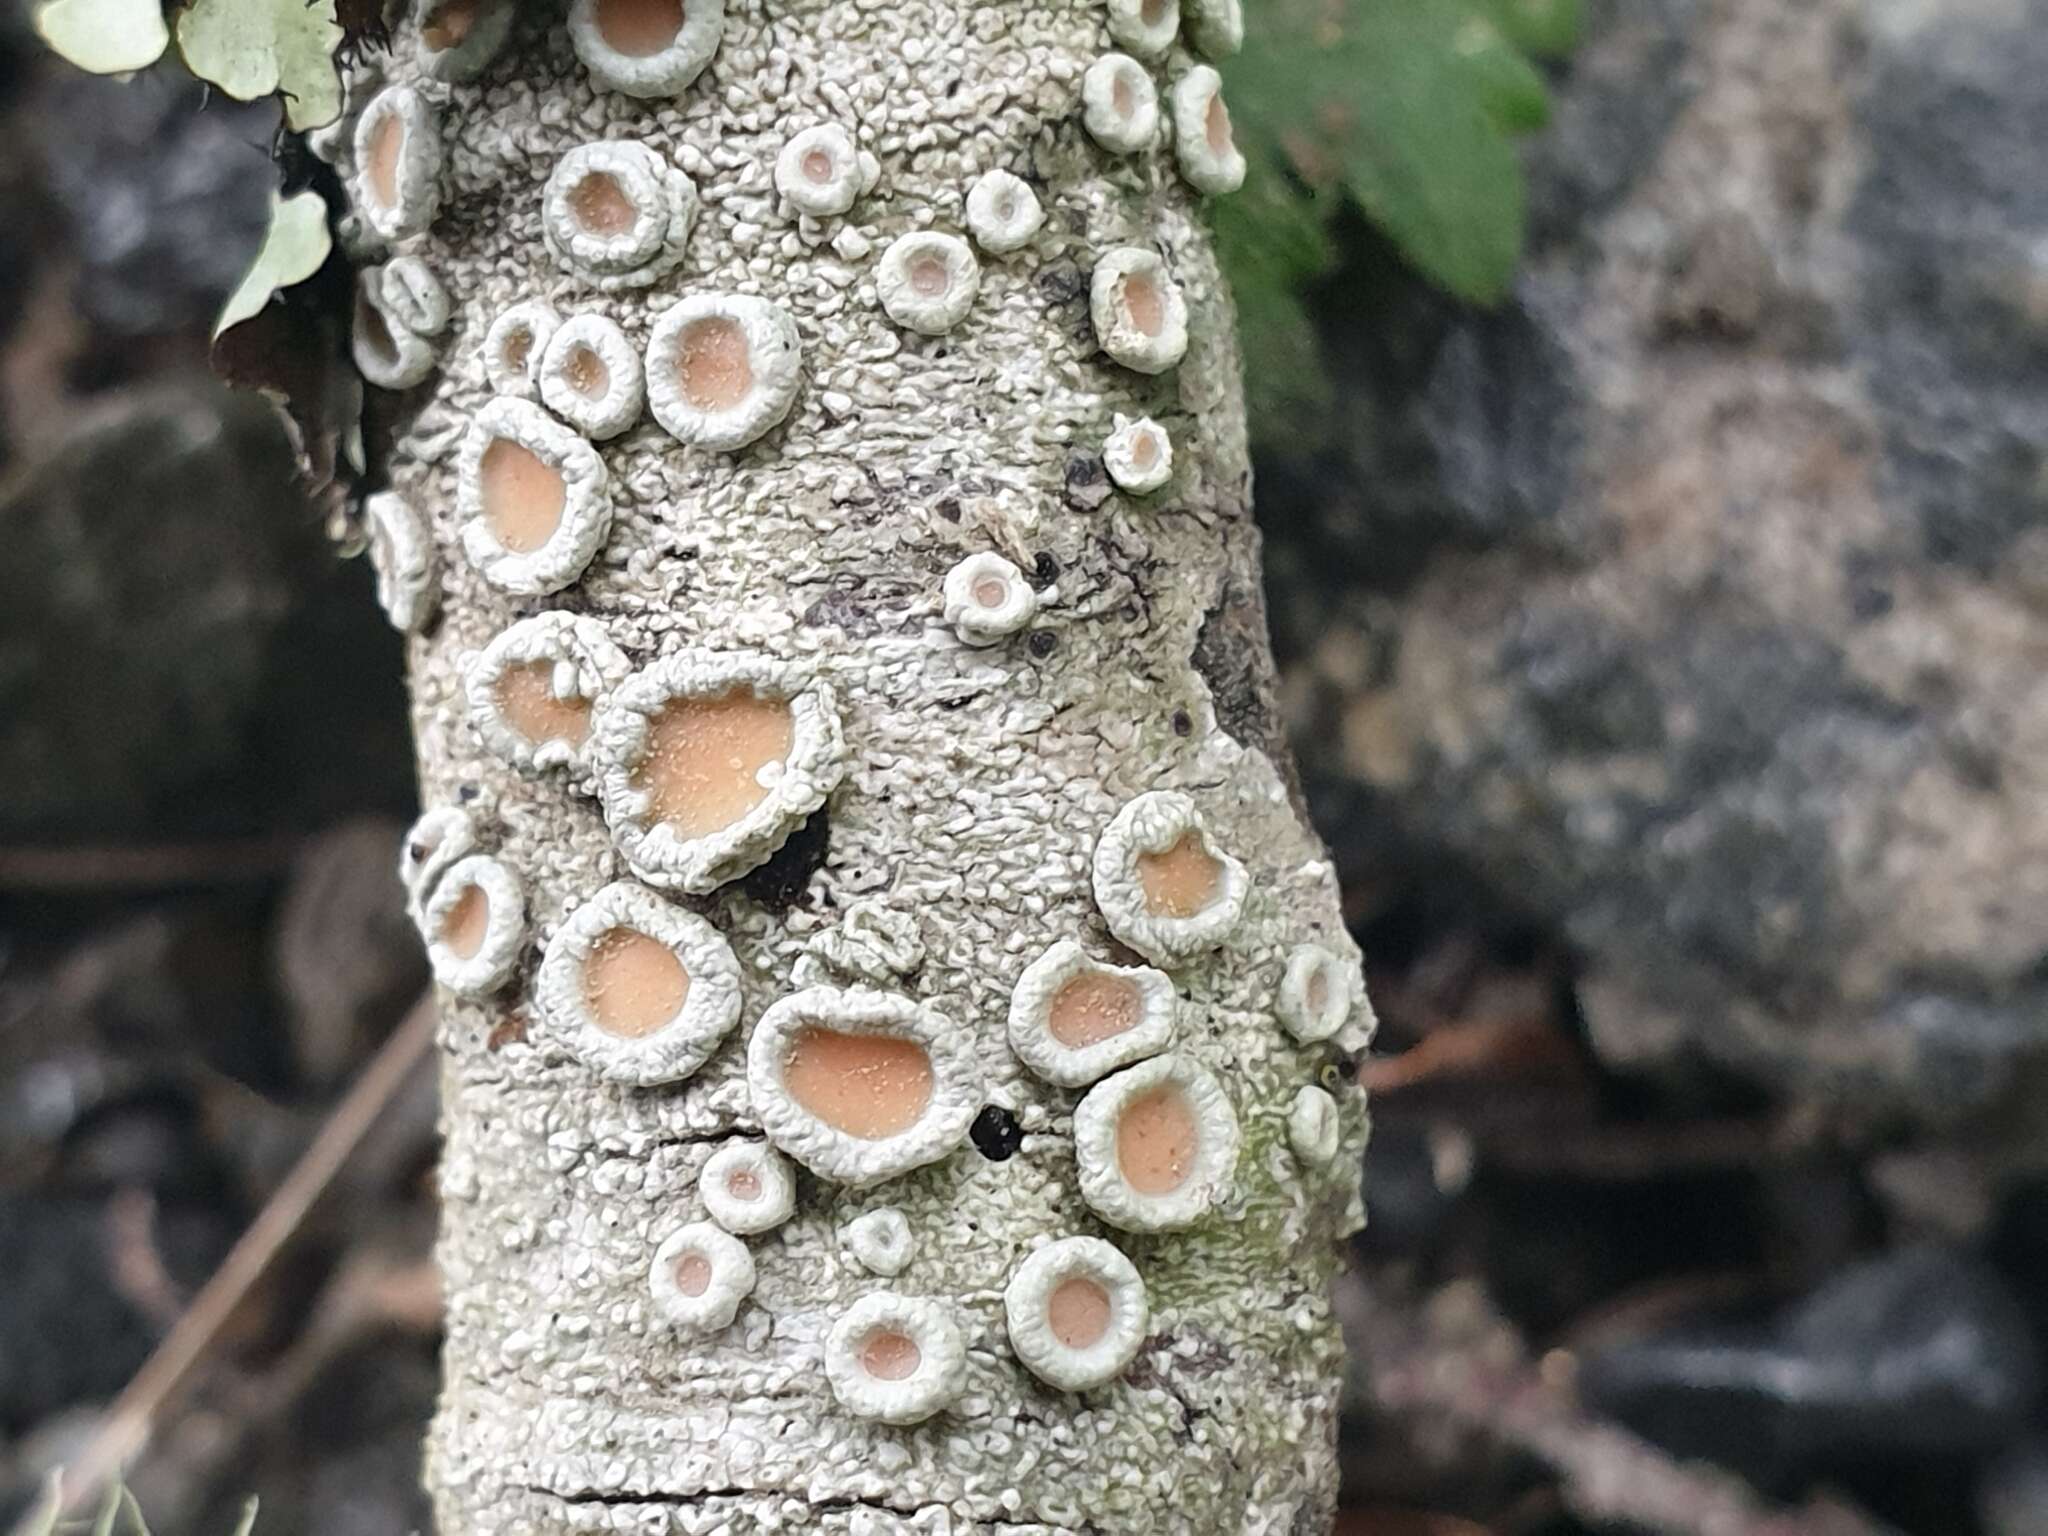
(165, 191)
(72, 1327)
(348, 959)
(180, 652)
(151, 1141)
(1413, 1185)
(364, 1415)
(372, 1489)
(143, 998)
(1918, 1353)
(1696, 601)
(43, 1098)
(2014, 1497)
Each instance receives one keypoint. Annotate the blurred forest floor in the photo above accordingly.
(1672, 731)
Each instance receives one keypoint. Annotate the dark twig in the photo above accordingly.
(163, 1376)
(229, 862)
(1451, 1364)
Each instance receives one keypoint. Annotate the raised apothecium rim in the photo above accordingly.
(619, 738)
(1028, 1299)
(1031, 1035)
(1152, 823)
(1103, 1184)
(941, 1369)
(678, 1048)
(831, 1153)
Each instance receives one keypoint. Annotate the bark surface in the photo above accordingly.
(978, 784)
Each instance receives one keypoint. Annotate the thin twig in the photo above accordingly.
(126, 1427)
(231, 862)
(1419, 1369)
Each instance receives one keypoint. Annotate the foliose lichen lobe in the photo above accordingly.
(976, 784)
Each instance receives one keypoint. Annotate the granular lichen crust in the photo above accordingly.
(1157, 1145)
(689, 831)
(896, 1359)
(1074, 1019)
(874, 942)
(1164, 886)
(534, 499)
(632, 1010)
(532, 689)
(1076, 1313)
(617, 214)
(861, 1086)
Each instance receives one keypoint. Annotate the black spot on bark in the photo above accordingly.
(1231, 655)
(1087, 481)
(1183, 723)
(1045, 570)
(779, 884)
(1043, 643)
(860, 608)
(1062, 285)
(996, 1133)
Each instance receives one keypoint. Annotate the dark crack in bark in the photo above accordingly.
(780, 884)
(1231, 656)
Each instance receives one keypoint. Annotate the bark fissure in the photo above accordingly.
(1012, 1520)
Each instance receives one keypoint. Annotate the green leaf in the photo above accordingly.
(294, 248)
(1381, 102)
(132, 1523)
(1506, 85)
(42, 1520)
(110, 1510)
(1544, 29)
(1272, 242)
(108, 37)
(250, 48)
